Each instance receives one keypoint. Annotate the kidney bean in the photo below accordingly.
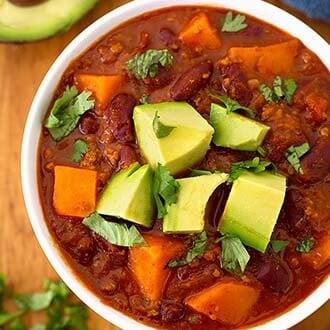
(119, 112)
(171, 311)
(169, 38)
(127, 156)
(88, 124)
(275, 276)
(316, 163)
(191, 81)
(163, 78)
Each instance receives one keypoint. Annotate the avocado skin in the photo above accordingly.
(31, 23)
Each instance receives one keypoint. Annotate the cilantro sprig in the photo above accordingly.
(66, 112)
(233, 24)
(80, 147)
(198, 248)
(278, 245)
(165, 189)
(54, 301)
(232, 105)
(293, 155)
(113, 232)
(234, 256)
(278, 91)
(159, 128)
(305, 245)
(254, 165)
(148, 63)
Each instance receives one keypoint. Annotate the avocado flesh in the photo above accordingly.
(186, 144)
(252, 208)
(235, 131)
(40, 21)
(186, 216)
(128, 195)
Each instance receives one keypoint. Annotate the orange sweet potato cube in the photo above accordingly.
(74, 191)
(199, 32)
(148, 263)
(229, 301)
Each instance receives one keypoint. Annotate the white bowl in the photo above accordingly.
(29, 159)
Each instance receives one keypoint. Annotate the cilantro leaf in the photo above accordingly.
(35, 301)
(39, 326)
(113, 232)
(278, 245)
(8, 317)
(196, 172)
(80, 147)
(16, 324)
(293, 155)
(233, 24)
(254, 165)
(66, 112)
(290, 87)
(198, 248)
(58, 289)
(3, 290)
(144, 99)
(159, 128)
(277, 93)
(147, 63)
(234, 256)
(165, 189)
(305, 245)
(232, 105)
(76, 317)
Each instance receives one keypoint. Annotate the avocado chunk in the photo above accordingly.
(29, 23)
(184, 146)
(252, 208)
(186, 216)
(128, 195)
(235, 131)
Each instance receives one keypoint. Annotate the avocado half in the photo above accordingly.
(30, 23)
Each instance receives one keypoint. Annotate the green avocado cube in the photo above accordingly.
(128, 195)
(184, 146)
(235, 131)
(252, 208)
(186, 216)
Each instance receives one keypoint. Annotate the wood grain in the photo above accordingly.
(22, 67)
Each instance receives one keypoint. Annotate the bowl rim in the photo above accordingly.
(29, 152)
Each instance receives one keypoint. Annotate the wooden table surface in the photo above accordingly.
(22, 68)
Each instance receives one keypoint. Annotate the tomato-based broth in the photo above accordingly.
(184, 169)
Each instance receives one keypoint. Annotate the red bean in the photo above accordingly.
(163, 78)
(172, 311)
(169, 38)
(88, 124)
(120, 112)
(191, 81)
(127, 156)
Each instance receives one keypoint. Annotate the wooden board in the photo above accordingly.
(22, 68)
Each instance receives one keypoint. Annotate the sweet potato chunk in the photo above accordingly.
(319, 256)
(273, 59)
(229, 302)
(148, 263)
(103, 87)
(199, 32)
(74, 191)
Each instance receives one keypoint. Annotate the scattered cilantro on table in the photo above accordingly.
(55, 301)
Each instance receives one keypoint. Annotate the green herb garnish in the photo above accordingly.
(254, 165)
(147, 63)
(55, 301)
(234, 256)
(305, 245)
(278, 92)
(144, 99)
(293, 155)
(66, 112)
(233, 24)
(80, 147)
(196, 172)
(165, 189)
(278, 245)
(113, 232)
(232, 105)
(261, 151)
(159, 128)
(198, 248)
